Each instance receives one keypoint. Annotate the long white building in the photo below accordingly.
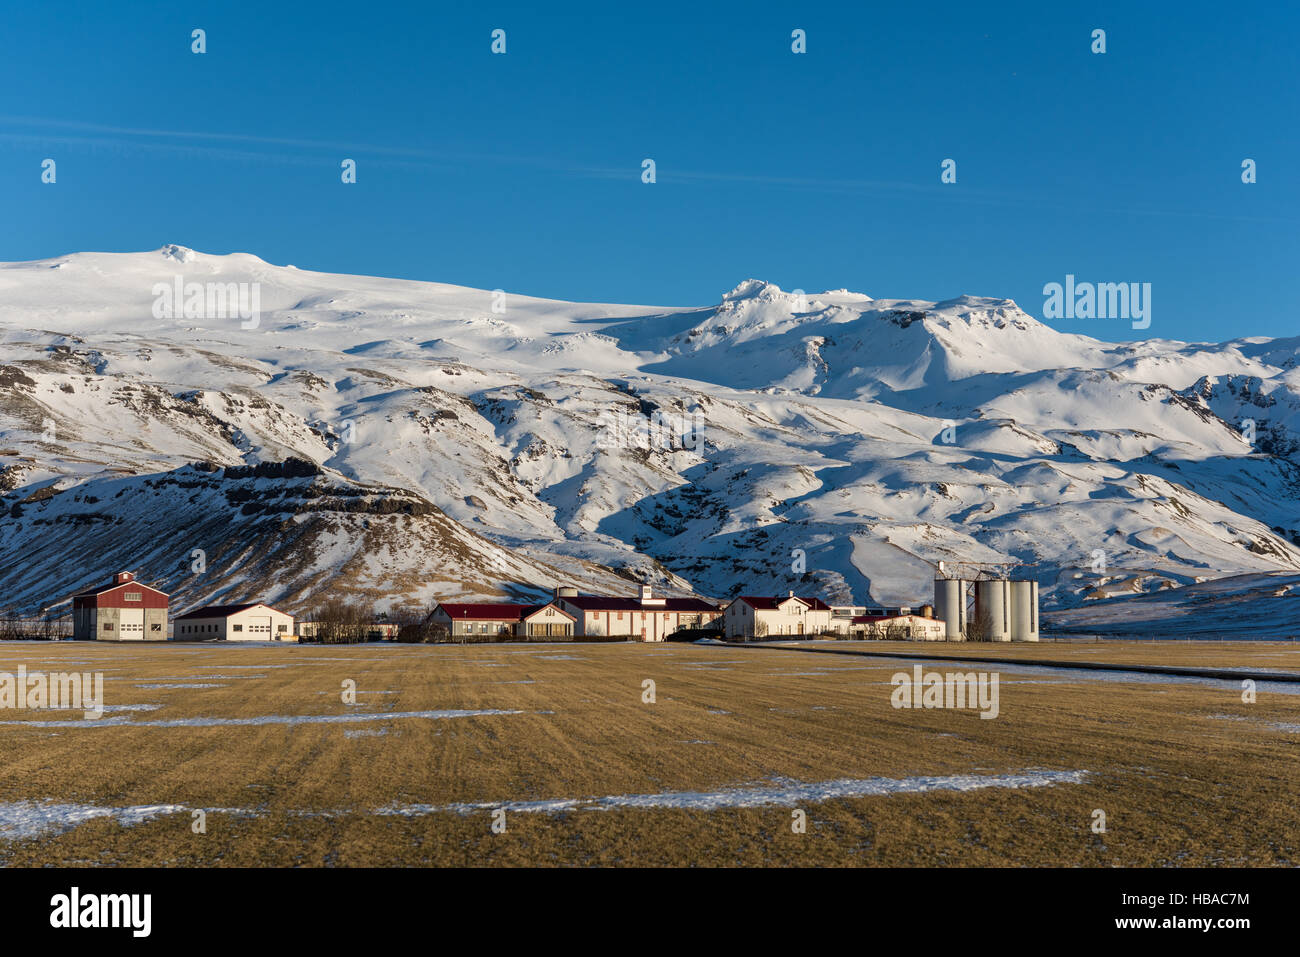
(255, 622)
(644, 618)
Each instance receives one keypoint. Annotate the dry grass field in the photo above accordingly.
(1258, 655)
(287, 773)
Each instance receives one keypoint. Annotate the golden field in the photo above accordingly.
(1185, 771)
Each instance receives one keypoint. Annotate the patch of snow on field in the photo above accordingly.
(778, 791)
(289, 719)
(21, 820)
(110, 708)
(359, 692)
(1290, 727)
(200, 677)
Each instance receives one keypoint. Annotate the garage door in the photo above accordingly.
(132, 624)
(260, 626)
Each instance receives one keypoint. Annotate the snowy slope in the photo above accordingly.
(848, 442)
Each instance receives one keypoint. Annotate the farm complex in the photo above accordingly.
(127, 609)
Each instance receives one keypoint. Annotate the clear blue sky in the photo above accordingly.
(813, 171)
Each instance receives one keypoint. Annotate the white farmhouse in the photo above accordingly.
(255, 622)
(644, 618)
(756, 616)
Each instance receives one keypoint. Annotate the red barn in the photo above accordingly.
(122, 610)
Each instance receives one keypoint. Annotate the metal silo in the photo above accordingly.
(950, 606)
(993, 609)
(1024, 611)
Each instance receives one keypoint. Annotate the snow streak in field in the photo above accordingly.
(24, 819)
(779, 791)
(261, 720)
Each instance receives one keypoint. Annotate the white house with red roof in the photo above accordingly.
(644, 618)
(251, 622)
(760, 616)
(486, 621)
(121, 610)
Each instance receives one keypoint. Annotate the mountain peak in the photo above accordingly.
(180, 254)
(753, 289)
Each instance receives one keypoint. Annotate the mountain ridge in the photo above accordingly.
(848, 442)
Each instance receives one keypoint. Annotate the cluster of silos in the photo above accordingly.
(950, 606)
(1004, 610)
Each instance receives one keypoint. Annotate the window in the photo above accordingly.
(237, 628)
(281, 628)
(155, 627)
(108, 626)
(133, 596)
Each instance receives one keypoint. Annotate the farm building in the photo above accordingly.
(122, 610)
(462, 619)
(644, 618)
(842, 615)
(905, 627)
(759, 616)
(255, 622)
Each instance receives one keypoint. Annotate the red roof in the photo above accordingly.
(763, 603)
(116, 584)
(220, 611)
(607, 603)
(487, 612)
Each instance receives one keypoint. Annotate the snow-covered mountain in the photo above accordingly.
(412, 440)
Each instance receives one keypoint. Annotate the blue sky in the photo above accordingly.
(813, 171)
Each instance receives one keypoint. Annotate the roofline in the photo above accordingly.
(653, 603)
(241, 606)
(100, 591)
(549, 604)
(778, 599)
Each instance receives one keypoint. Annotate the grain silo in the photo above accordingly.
(1024, 611)
(950, 606)
(993, 610)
